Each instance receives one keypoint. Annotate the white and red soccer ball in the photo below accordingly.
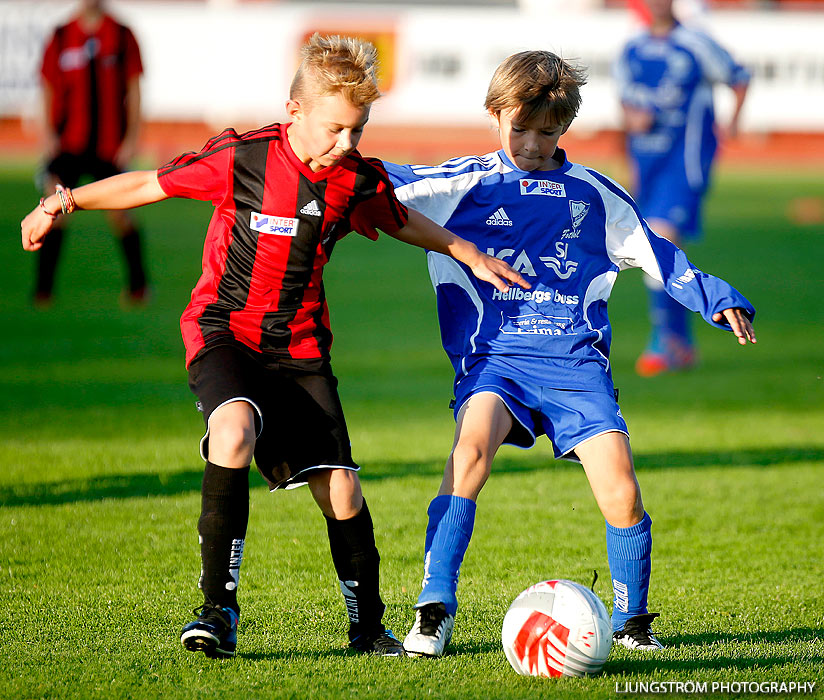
(557, 628)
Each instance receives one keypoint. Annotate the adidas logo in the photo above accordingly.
(312, 209)
(499, 218)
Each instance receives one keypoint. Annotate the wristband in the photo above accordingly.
(46, 211)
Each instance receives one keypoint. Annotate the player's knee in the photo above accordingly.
(469, 458)
(337, 492)
(621, 505)
(231, 440)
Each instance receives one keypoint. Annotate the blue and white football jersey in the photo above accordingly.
(672, 76)
(569, 232)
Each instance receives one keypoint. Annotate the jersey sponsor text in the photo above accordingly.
(547, 188)
(277, 225)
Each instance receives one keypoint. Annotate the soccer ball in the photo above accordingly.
(557, 628)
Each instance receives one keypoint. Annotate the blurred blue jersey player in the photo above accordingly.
(666, 77)
(536, 361)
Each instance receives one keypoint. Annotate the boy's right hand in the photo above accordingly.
(34, 228)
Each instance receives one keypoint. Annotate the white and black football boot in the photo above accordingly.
(637, 634)
(431, 632)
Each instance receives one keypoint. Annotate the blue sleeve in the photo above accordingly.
(697, 290)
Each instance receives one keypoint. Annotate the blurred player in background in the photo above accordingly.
(91, 93)
(666, 77)
(536, 362)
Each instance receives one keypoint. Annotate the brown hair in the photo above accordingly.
(539, 84)
(337, 64)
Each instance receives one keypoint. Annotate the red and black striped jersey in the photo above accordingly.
(89, 75)
(273, 229)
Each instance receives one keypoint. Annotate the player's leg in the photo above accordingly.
(61, 170)
(670, 346)
(607, 461)
(130, 240)
(232, 427)
(483, 423)
(128, 234)
(313, 440)
(355, 557)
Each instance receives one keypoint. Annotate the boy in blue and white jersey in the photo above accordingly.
(537, 362)
(666, 77)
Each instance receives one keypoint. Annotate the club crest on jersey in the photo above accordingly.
(547, 188)
(577, 213)
(276, 225)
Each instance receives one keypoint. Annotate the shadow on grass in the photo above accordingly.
(681, 644)
(188, 481)
(798, 634)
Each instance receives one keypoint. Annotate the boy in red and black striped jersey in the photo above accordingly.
(257, 330)
(91, 93)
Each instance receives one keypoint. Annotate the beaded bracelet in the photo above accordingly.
(67, 205)
(47, 212)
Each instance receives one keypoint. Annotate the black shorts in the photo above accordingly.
(299, 418)
(70, 168)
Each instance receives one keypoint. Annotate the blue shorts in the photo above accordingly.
(566, 416)
(680, 207)
(663, 191)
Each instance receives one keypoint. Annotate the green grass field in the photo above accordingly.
(100, 479)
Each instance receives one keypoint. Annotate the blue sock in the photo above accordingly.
(451, 520)
(628, 551)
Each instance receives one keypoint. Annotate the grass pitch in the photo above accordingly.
(100, 480)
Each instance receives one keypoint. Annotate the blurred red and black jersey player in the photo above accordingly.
(88, 74)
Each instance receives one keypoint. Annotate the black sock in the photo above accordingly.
(357, 564)
(47, 259)
(130, 243)
(224, 516)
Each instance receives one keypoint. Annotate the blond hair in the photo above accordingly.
(337, 64)
(538, 84)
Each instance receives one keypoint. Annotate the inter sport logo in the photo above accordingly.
(277, 225)
(499, 218)
(547, 188)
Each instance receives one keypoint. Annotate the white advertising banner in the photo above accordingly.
(233, 63)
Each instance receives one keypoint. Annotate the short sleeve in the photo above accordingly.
(380, 212)
(204, 175)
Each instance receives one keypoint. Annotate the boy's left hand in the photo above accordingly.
(498, 273)
(740, 324)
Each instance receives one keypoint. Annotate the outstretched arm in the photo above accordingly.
(425, 233)
(125, 191)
